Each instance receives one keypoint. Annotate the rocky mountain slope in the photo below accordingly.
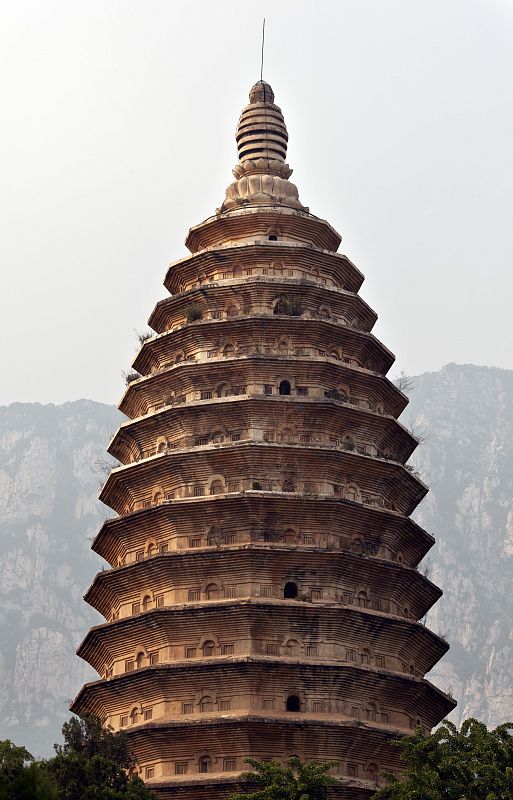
(50, 471)
(49, 480)
(465, 414)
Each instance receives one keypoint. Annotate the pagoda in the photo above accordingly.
(263, 597)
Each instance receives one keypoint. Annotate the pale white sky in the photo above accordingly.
(117, 134)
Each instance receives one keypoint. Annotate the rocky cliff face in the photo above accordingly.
(49, 481)
(465, 414)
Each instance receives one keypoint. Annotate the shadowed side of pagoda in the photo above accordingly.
(263, 598)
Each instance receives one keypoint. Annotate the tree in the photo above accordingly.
(88, 737)
(94, 764)
(470, 764)
(403, 382)
(21, 778)
(297, 781)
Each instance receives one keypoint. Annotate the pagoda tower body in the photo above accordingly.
(263, 598)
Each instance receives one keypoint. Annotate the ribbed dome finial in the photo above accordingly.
(261, 93)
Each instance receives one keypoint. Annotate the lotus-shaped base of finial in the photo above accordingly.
(263, 181)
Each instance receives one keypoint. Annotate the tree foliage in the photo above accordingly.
(295, 781)
(93, 763)
(87, 737)
(472, 763)
(21, 778)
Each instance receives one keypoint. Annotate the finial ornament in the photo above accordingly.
(262, 174)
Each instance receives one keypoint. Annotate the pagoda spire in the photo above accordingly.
(262, 175)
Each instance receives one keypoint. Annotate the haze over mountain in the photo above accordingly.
(52, 463)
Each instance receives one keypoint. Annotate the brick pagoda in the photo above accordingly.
(263, 596)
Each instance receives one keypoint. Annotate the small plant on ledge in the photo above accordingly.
(290, 305)
(144, 336)
(193, 312)
(130, 376)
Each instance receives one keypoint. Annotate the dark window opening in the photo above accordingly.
(290, 590)
(293, 703)
(273, 237)
(284, 387)
(204, 764)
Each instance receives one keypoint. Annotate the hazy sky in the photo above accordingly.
(117, 122)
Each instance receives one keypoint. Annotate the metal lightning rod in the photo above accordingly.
(262, 57)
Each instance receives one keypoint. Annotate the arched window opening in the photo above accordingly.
(216, 487)
(146, 603)
(205, 704)
(162, 447)
(204, 764)
(290, 536)
(152, 551)
(273, 237)
(290, 590)
(232, 311)
(208, 648)
(365, 657)
(351, 493)
(228, 350)
(293, 703)
(288, 486)
(139, 659)
(284, 388)
(371, 712)
(362, 599)
(158, 498)
(212, 591)
(215, 535)
(223, 390)
(133, 716)
(349, 443)
(292, 647)
(358, 546)
(287, 435)
(372, 772)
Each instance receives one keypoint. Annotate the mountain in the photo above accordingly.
(52, 461)
(49, 479)
(465, 415)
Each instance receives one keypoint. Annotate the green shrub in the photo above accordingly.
(290, 305)
(193, 312)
